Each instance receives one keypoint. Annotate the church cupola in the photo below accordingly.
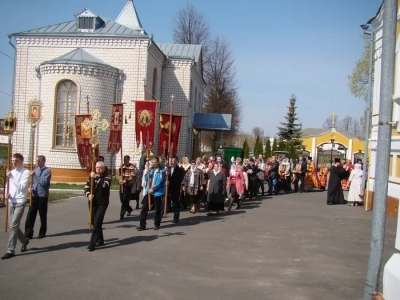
(87, 21)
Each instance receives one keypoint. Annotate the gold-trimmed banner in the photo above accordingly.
(83, 145)
(115, 139)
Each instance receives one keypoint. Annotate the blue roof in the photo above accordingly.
(212, 122)
(181, 51)
(78, 57)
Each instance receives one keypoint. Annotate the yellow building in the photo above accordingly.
(322, 144)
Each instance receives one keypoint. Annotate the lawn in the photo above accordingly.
(61, 196)
(74, 186)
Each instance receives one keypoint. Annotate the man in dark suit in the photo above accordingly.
(175, 178)
(252, 175)
(302, 175)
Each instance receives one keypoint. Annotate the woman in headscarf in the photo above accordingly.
(184, 164)
(192, 185)
(355, 184)
(216, 188)
(235, 186)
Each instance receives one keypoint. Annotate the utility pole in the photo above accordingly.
(383, 148)
(369, 104)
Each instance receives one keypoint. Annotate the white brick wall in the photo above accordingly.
(136, 57)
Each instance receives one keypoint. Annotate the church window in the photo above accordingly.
(65, 111)
(87, 21)
(195, 99)
(154, 88)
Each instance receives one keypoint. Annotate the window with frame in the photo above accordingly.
(65, 110)
(154, 87)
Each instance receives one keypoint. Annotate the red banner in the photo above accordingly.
(115, 139)
(145, 112)
(163, 146)
(83, 135)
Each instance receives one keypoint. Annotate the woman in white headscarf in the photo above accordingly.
(355, 184)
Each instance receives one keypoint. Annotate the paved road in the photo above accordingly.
(289, 247)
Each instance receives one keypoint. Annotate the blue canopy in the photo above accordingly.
(212, 122)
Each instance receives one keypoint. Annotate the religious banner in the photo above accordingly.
(83, 145)
(144, 122)
(115, 139)
(165, 124)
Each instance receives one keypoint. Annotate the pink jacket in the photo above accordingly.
(239, 181)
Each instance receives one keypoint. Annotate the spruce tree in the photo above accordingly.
(258, 147)
(268, 150)
(246, 149)
(290, 129)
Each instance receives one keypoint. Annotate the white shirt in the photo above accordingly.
(19, 184)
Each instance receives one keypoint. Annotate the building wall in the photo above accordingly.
(127, 54)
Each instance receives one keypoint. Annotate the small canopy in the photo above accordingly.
(212, 122)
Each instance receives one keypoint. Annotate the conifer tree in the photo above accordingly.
(290, 129)
(246, 149)
(268, 150)
(258, 147)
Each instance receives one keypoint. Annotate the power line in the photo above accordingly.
(5, 93)
(6, 55)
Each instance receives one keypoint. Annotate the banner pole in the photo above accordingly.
(148, 170)
(32, 161)
(8, 182)
(171, 123)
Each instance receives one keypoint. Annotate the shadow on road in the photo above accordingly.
(128, 241)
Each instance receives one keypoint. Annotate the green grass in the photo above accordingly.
(74, 186)
(61, 196)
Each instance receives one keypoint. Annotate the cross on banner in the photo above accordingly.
(94, 124)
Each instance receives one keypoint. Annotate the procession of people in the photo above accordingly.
(204, 184)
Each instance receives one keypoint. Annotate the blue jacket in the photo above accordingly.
(158, 182)
(41, 182)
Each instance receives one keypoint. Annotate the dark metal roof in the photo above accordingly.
(78, 57)
(212, 122)
(181, 51)
(110, 28)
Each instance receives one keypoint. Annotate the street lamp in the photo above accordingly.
(333, 145)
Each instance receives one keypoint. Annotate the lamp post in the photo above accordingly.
(332, 145)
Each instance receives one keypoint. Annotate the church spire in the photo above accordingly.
(129, 17)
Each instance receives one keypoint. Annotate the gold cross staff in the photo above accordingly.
(94, 124)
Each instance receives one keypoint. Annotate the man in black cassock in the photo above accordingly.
(335, 191)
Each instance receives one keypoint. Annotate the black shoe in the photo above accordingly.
(8, 255)
(140, 228)
(23, 247)
(41, 236)
(90, 247)
(121, 218)
(176, 221)
(156, 227)
(99, 243)
(128, 213)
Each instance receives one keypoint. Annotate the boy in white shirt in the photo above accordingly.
(17, 194)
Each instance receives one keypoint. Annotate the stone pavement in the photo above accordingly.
(286, 247)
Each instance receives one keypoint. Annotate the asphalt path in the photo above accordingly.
(287, 247)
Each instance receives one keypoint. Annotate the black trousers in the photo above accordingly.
(125, 197)
(176, 204)
(145, 209)
(299, 183)
(38, 204)
(99, 211)
(253, 187)
(287, 183)
(260, 184)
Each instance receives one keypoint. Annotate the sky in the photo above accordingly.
(280, 47)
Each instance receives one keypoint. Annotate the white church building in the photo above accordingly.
(93, 56)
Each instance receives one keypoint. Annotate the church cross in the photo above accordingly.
(94, 124)
(333, 119)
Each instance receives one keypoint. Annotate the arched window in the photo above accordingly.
(154, 88)
(191, 93)
(65, 110)
(195, 99)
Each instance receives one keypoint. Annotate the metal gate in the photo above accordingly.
(324, 157)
